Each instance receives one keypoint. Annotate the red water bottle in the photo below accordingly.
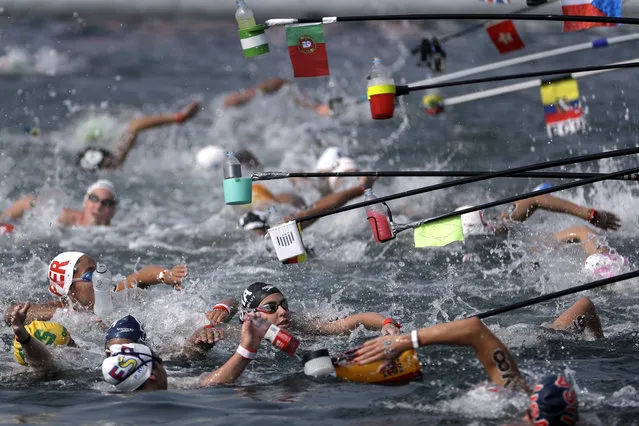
(376, 215)
(381, 91)
(278, 337)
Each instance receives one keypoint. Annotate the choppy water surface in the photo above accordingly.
(60, 76)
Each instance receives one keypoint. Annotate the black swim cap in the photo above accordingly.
(253, 296)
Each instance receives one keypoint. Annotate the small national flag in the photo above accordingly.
(610, 8)
(505, 37)
(562, 106)
(439, 233)
(307, 50)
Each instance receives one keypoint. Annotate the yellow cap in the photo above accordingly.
(47, 332)
(403, 368)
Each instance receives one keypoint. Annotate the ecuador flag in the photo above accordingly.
(562, 106)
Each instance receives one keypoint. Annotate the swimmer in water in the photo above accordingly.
(70, 273)
(99, 207)
(134, 367)
(94, 158)
(271, 303)
(553, 401)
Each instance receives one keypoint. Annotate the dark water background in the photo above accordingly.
(65, 75)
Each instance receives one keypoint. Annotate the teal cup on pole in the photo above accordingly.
(237, 189)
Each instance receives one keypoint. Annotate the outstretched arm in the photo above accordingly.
(590, 241)
(335, 200)
(237, 363)
(128, 139)
(36, 354)
(581, 316)
(17, 209)
(525, 208)
(152, 275)
(491, 352)
(370, 320)
(42, 312)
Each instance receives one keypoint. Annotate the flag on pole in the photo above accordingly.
(307, 50)
(505, 37)
(562, 106)
(610, 8)
(439, 233)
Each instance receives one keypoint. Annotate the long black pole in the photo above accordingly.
(503, 173)
(474, 16)
(557, 294)
(260, 176)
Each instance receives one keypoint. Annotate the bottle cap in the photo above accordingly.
(100, 268)
(318, 363)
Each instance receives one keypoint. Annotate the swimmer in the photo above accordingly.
(70, 273)
(553, 401)
(333, 160)
(30, 342)
(243, 97)
(134, 367)
(270, 302)
(94, 158)
(99, 207)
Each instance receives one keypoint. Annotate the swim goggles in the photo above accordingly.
(272, 307)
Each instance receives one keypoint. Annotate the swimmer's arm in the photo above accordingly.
(201, 341)
(589, 240)
(69, 217)
(152, 275)
(216, 316)
(330, 202)
(583, 307)
(525, 208)
(291, 199)
(236, 364)
(17, 209)
(42, 311)
(36, 354)
(370, 320)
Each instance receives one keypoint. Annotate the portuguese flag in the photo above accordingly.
(307, 50)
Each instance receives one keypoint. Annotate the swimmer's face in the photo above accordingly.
(81, 291)
(100, 206)
(277, 304)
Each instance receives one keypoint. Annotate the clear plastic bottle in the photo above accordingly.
(232, 166)
(381, 91)
(278, 337)
(102, 285)
(376, 215)
(244, 15)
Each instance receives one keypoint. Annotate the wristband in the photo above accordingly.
(180, 117)
(209, 326)
(27, 340)
(414, 338)
(594, 217)
(162, 275)
(391, 321)
(249, 354)
(222, 306)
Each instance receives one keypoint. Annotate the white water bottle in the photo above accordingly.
(278, 337)
(244, 15)
(101, 280)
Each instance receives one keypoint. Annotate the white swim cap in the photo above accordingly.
(102, 184)
(473, 223)
(606, 265)
(344, 164)
(328, 160)
(210, 157)
(128, 367)
(61, 272)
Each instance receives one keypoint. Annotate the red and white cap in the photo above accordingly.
(61, 272)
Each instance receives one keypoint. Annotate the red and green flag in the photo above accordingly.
(307, 50)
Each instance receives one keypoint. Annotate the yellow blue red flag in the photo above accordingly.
(562, 106)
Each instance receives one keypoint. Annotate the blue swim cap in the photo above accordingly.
(126, 328)
(554, 402)
(541, 186)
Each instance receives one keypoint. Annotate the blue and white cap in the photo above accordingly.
(127, 327)
(129, 366)
(542, 186)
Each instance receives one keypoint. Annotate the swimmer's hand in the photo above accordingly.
(17, 317)
(205, 337)
(604, 220)
(251, 335)
(367, 181)
(385, 347)
(390, 330)
(219, 314)
(175, 276)
(188, 112)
